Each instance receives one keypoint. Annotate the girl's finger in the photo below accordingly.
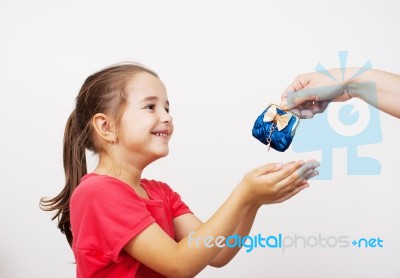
(303, 180)
(293, 192)
(303, 173)
(306, 169)
(287, 170)
(313, 174)
(268, 168)
(310, 174)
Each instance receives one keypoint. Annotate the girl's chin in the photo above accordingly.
(161, 153)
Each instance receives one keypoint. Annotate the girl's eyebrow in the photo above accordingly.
(153, 98)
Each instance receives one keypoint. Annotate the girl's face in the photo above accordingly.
(146, 125)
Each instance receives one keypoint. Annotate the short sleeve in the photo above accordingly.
(174, 201)
(105, 215)
(177, 206)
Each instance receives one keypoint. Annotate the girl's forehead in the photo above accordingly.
(144, 85)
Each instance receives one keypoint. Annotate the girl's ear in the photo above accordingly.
(104, 127)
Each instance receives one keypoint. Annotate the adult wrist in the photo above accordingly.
(352, 84)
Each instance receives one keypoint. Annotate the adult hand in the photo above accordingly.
(310, 93)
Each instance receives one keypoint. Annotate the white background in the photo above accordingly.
(222, 63)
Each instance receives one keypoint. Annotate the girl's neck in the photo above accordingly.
(123, 171)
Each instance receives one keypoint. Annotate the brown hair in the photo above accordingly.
(102, 92)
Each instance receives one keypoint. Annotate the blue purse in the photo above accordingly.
(276, 127)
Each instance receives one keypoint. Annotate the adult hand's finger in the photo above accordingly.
(297, 98)
(299, 83)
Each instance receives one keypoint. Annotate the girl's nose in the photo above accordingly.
(165, 117)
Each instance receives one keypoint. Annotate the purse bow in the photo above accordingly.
(281, 121)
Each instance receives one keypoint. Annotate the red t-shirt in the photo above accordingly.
(106, 214)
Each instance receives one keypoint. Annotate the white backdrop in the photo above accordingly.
(222, 63)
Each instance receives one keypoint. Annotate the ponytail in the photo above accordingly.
(74, 158)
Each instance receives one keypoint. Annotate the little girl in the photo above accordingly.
(121, 225)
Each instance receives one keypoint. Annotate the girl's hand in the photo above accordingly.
(275, 183)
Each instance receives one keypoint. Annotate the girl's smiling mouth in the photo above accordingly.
(161, 133)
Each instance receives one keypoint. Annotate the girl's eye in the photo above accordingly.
(150, 106)
(167, 109)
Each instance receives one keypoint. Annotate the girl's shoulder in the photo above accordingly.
(159, 190)
(151, 182)
(101, 184)
(92, 179)
(106, 186)
(155, 185)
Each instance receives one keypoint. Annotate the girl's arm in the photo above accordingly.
(264, 185)
(187, 223)
(226, 254)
